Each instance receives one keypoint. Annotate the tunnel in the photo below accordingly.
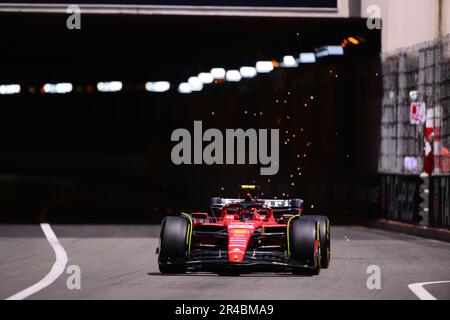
(114, 148)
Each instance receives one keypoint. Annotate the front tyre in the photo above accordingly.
(173, 245)
(304, 241)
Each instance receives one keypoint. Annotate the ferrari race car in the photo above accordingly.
(244, 233)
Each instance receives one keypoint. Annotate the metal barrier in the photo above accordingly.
(439, 201)
(420, 74)
(400, 198)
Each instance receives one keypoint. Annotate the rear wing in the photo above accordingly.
(274, 204)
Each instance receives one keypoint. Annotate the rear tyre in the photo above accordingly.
(173, 247)
(303, 235)
(325, 245)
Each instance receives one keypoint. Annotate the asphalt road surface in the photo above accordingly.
(119, 262)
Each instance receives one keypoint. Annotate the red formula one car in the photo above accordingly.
(246, 233)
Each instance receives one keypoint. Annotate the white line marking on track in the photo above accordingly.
(420, 292)
(57, 269)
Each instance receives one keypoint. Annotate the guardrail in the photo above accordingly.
(439, 213)
(400, 197)
(416, 200)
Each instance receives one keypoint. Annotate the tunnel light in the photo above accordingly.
(195, 84)
(206, 77)
(233, 76)
(218, 73)
(111, 86)
(335, 50)
(247, 72)
(9, 89)
(329, 51)
(353, 40)
(289, 62)
(60, 88)
(307, 57)
(157, 86)
(264, 66)
(184, 87)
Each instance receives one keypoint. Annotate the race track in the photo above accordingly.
(119, 262)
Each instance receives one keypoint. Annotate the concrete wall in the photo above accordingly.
(405, 22)
(409, 22)
(445, 14)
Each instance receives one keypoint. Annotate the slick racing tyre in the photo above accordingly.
(173, 245)
(303, 234)
(325, 247)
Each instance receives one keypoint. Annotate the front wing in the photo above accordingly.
(255, 260)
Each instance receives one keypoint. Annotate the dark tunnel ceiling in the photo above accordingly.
(39, 47)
